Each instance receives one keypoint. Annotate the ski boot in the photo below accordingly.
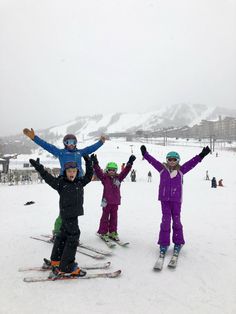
(163, 250)
(114, 236)
(76, 272)
(177, 248)
(104, 237)
(47, 264)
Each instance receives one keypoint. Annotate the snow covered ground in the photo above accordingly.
(204, 281)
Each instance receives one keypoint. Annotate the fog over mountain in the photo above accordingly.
(172, 116)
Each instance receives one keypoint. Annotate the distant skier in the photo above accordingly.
(220, 183)
(67, 154)
(133, 176)
(70, 189)
(213, 183)
(111, 181)
(207, 175)
(149, 176)
(170, 194)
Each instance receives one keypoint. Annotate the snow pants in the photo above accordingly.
(171, 210)
(108, 221)
(65, 244)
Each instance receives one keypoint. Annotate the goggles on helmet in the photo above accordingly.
(70, 142)
(111, 170)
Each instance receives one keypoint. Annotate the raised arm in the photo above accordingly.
(88, 172)
(48, 147)
(92, 148)
(154, 162)
(49, 179)
(127, 168)
(96, 167)
(187, 166)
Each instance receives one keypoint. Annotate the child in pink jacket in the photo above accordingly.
(111, 181)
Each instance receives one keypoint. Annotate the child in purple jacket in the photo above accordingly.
(170, 194)
(111, 181)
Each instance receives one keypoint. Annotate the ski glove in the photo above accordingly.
(29, 133)
(143, 149)
(36, 165)
(103, 138)
(131, 159)
(86, 157)
(206, 150)
(94, 159)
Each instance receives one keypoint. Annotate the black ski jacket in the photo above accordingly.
(71, 193)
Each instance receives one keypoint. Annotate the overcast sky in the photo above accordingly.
(63, 58)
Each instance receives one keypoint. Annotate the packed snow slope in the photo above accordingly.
(203, 282)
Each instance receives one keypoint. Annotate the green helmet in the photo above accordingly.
(112, 165)
(173, 155)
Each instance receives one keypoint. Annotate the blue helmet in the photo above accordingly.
(173, 155)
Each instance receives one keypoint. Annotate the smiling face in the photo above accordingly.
(71, 174)
(172, 162)
(111, 172)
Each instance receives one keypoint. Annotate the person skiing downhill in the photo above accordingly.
(70, 188)
(111, 198)
(170, 194)
(69, 153)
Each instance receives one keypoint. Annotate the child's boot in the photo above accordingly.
(78, 272)
(177, 248)
(163, 249)
(114, 236)
(105, 237)
(46, 264)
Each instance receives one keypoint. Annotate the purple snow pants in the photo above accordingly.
(108, 221)
(171, 210)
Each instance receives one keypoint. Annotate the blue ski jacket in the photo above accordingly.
(65, 155)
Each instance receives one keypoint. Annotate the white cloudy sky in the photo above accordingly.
(63, 58)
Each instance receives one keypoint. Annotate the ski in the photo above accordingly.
(109, 243)
(87, 247)
(119, 242)
(87, 276)
(174, 259)
(160, 262)
(86, 267)
(80, 250)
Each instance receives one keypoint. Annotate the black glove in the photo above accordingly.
(205, 151)
(94, 159)
(36, 165)
(131, 159)
(143, 149)
(86, 157)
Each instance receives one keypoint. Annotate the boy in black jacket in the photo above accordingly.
(70, 189)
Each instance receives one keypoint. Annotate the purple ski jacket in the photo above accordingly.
(111, 191)
(170, 188)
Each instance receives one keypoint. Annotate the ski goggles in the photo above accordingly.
(172, 159)
(111, 170)
(70, 142)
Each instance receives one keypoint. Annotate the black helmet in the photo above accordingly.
(70, 164)
(68, 137)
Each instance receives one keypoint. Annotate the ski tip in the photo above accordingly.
(108, 264)
(115, 274)
(157, 269)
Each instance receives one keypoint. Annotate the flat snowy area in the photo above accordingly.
(204, 281)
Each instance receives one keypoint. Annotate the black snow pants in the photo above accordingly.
(65, 245)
